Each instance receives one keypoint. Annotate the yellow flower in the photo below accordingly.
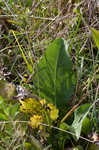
(51, 106)
(30, 105)
(54, 114)
(25, 78)
(36, 121)
(43, 102)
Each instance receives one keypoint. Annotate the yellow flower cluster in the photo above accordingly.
(30, 105)
(53, 111)
(38, 109)
(36, 121)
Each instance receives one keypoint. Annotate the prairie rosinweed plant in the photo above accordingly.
(40, 112)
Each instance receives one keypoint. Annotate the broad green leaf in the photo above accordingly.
(79, 115)
(86, 126)
(2, 148)
(93, 146)
(3, 117)
(28, 3)
(14, 111)
(54, 79)
(95, 34)
(3, 106)
(28, 145)
(64, 126)
(63, 136)
(34, 145)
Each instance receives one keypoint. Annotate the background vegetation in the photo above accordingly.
(29, 30)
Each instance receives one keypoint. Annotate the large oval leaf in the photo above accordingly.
(54, 79)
